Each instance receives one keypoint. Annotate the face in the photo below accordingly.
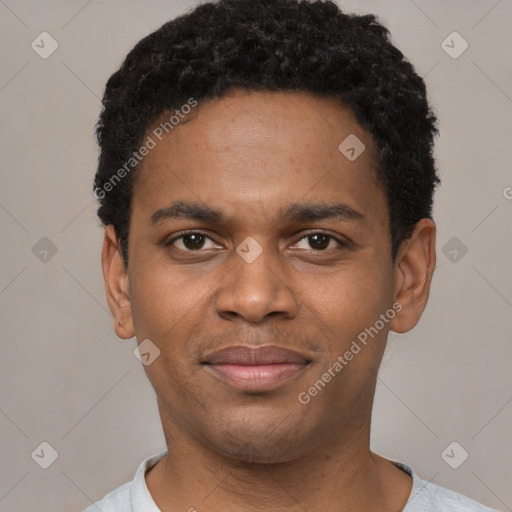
(258, 254)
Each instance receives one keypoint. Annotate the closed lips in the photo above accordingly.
(255, 356)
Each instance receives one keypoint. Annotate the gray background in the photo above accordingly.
(65, 377)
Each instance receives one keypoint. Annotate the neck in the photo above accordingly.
(339, 474)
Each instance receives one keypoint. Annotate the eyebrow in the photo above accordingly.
(298, 212)
(183, 210)
(321, 211)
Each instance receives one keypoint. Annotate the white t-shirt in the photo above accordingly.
(425, 496)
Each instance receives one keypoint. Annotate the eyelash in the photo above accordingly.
(199, 232)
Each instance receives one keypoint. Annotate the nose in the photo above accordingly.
(257, 290)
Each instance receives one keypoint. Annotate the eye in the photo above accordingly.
(319, 241)
(190, 241)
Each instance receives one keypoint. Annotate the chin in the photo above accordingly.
(261, 442)
(262, 452)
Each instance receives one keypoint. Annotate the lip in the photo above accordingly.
(255, 369)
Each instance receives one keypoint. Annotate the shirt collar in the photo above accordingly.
(140, 498)
(142, 501)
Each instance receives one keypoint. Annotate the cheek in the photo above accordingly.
(161, 302)
(347, 302)
(165, 311)
(346, 316)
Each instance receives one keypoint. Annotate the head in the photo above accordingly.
(266, 178)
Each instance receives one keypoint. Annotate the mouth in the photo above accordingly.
(255, 369)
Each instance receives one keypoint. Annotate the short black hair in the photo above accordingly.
(273, 45)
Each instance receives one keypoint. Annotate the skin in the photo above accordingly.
(249, 155)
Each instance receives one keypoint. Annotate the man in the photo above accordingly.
(266, 181)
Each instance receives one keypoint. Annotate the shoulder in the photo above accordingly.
(132, 495)
(116, 501)
(429, 497)
(446, 500)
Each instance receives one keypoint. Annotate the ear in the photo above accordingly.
(414, 267)
(116, 284)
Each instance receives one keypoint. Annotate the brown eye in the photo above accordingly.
(319, 242)
(191, 241)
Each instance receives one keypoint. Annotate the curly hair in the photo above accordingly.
(274, 45)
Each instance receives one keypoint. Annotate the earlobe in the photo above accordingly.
(116, 284)
(414, 269)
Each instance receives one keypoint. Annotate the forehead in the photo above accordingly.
(250, 148)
